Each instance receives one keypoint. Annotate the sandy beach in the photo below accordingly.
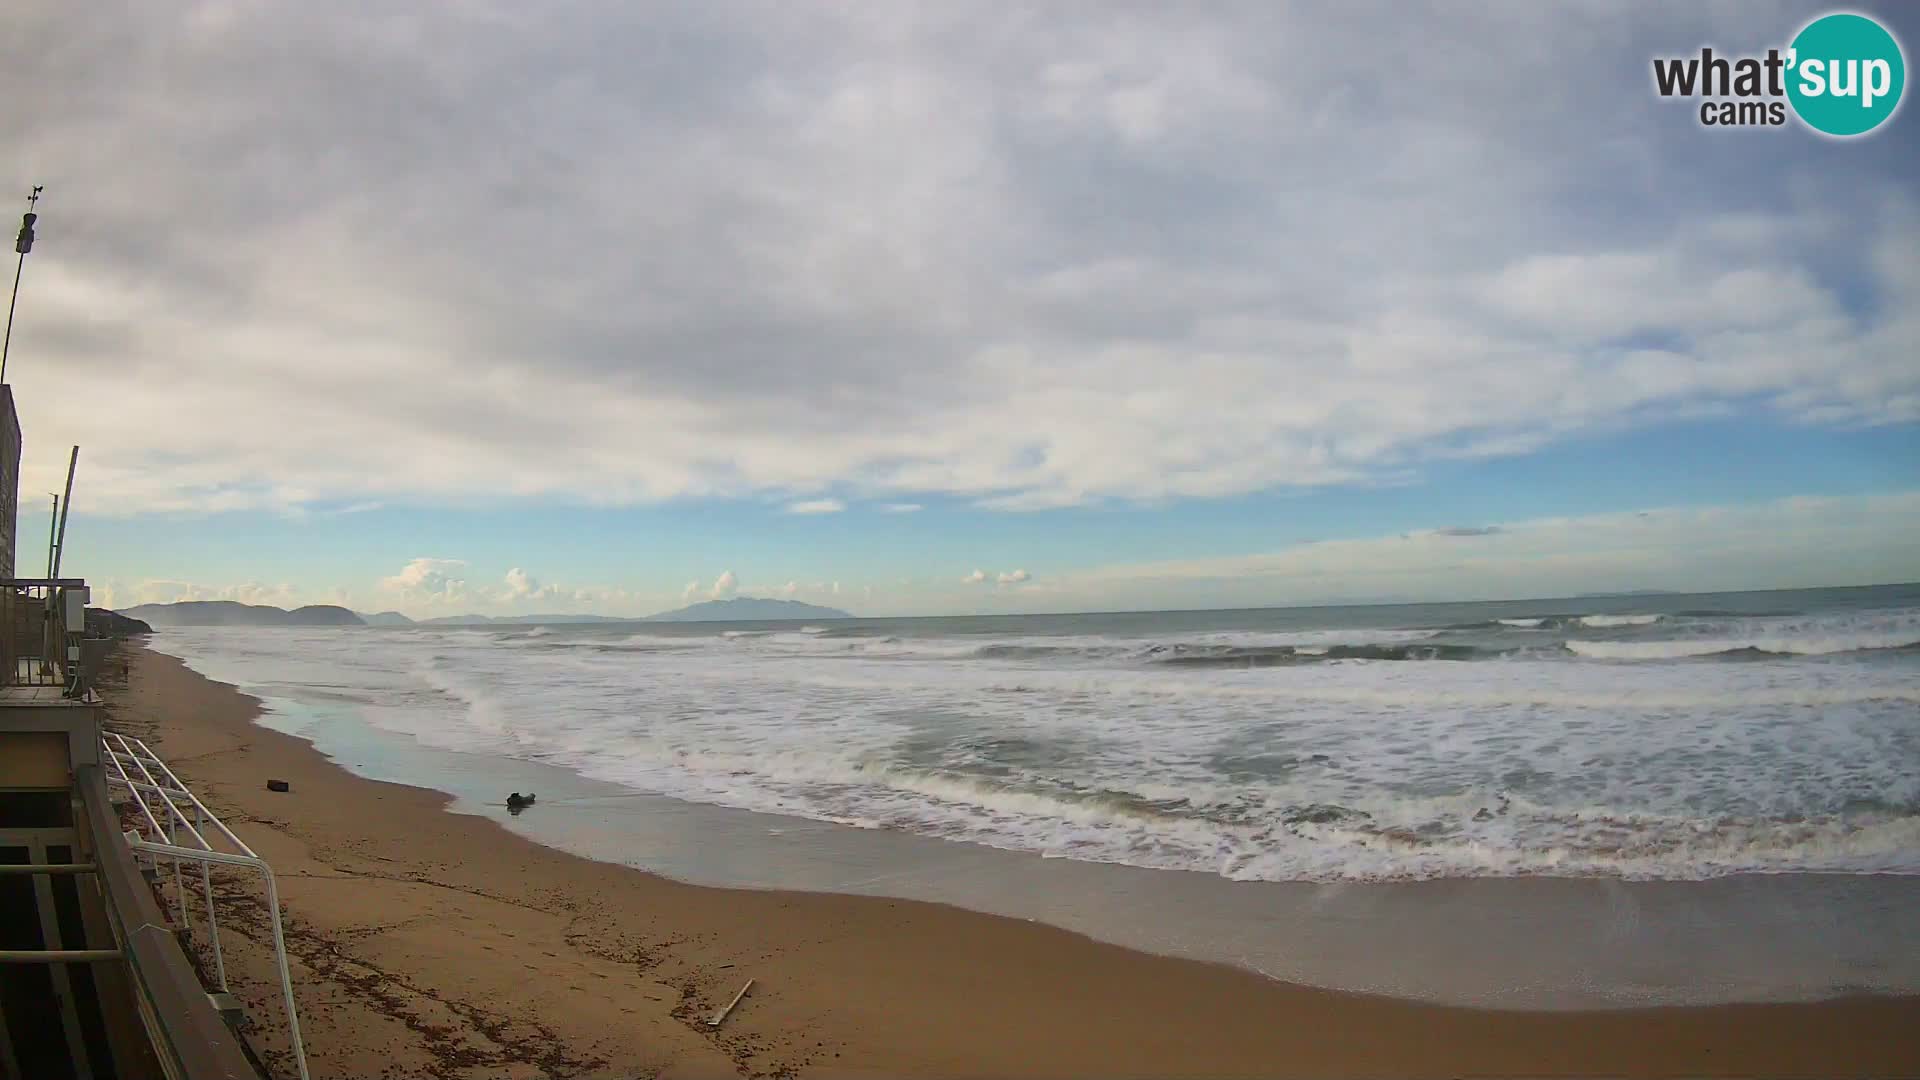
(433, 944)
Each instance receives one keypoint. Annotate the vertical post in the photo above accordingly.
(66, 506)
(286, 977)
(22, 245)
(53, 519)
(61, 975)
(213, 920)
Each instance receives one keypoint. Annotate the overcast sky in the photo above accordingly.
(949, 307)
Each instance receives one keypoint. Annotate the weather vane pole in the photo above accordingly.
(23, 244)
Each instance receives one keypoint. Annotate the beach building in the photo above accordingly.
(96, 834)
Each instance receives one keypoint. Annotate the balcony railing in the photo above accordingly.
(42, 623)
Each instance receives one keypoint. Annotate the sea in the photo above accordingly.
(1628, 739)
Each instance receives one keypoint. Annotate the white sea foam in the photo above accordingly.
(1673, 650)
(1619, 620)
(1804, 757)
(1522, 624)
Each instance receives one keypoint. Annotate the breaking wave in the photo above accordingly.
(1507, 741)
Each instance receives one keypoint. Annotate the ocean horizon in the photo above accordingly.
(1569, 803)
(1672, 736)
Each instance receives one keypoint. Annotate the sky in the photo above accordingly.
(949, 308)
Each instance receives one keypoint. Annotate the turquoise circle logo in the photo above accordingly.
(1846, 74)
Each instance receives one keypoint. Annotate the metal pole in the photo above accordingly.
(7, 345)
(66, 507)
(213, 920)
(286, 977)
(53, 519)
(23, 245)
(56, 956)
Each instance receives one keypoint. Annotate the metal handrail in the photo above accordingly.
(58, 956)
(181, 1020)
(38, 647)
(173, 799)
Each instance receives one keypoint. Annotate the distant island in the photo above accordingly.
(102, 623)
(495, 620)
(736, 609)
(230, 613)
(748, 609)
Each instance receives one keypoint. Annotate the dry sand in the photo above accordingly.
(433, 944)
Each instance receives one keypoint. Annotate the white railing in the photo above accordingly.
(174, 818)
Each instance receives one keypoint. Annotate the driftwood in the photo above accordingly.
(723, 1013)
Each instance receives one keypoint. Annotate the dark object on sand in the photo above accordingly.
(277, 785)
(517, 802)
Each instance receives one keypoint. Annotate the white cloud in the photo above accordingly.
(975, 578)
(522, 586)
(1014, 577)
(114, 594)
(724, 586)
(816, 506)
(429, 581)
(900, 508)
(1860, 540)
(817, 250)
(441, 586)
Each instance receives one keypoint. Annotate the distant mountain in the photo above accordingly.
(494, 620)
(102, 623)
(385, 618)
(738, 609)
(229, 613)
(748, 609)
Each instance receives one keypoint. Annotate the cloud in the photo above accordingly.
(1468, 530)
(1014, 577)
(900, 508)
(114, 594)
(436, 584)
(975, 578)
(1860, 540)
(723, 587)
(522, 586)
(816, 506)
(427, 580)
(806, 249)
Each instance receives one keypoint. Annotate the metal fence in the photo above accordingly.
(42, 622)
(174, 826)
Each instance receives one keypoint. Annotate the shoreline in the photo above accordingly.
(437, 943)
(1532, 943)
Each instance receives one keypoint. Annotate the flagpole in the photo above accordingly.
(22, 245)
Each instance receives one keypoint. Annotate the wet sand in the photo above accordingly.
(440, 944)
